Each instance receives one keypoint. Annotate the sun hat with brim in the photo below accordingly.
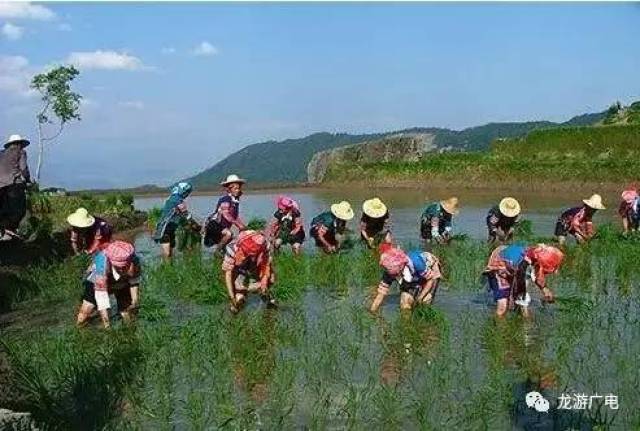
(232, 179)
(374, 208)
(342, 210)
(594, 202)
(509, 207)
(120, 253)
(16, 139)
(81, 218)
(450, 205)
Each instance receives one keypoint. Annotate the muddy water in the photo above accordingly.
(405, 206)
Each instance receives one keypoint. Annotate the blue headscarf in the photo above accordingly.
(182, 188)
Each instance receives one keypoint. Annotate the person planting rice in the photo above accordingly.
(629, 210)
(578, 222)
(287, 226)
(510, 266)
(174, 212)
(115, 269)
(88, 233)
(417, 273)
(248, 258)
(217, 230)
(502, 220)
(328, 228)
(436, 221)
(374, 223)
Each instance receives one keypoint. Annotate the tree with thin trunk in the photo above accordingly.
(59, 105)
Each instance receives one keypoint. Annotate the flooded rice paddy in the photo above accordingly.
(322, 361)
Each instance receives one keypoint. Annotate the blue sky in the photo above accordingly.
(172, 88)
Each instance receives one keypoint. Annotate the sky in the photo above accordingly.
(170, 89)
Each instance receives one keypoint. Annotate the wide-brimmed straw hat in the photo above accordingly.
(81, 218)
(231, 179)
(594, 202)
(450, 205)
(509, 207)
(342, 210)
(374, 208)
(17, 139)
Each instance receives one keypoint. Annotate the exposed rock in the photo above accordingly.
(10, 420)
(400, 148)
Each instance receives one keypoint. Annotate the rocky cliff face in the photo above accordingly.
(400, 148)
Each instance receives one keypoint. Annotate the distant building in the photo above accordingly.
(54, 191)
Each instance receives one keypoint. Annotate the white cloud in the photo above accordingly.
(204, 49)
(12, 32)
(132, 104)
(25, 10)
(107, 60)
(15, 75)
(168, 50)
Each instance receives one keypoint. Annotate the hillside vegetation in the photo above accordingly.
(286, 161)
(577, 154)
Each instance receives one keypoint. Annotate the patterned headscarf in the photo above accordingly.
(182, 188)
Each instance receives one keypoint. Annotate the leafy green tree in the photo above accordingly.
(59, 105)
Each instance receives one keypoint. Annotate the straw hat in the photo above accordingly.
(594, 202)
(450, 205)
(233, 178)
(81, 218)
(17, 139)
(374, 208)
(509, 207)
(342, 210)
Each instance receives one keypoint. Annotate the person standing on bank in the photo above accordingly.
(14, 179)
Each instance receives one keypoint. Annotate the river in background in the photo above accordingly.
(405, 206)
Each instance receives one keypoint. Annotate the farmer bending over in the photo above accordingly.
(502, 220)
(248, 258)
(435, 223)
(417, 273)
(374, 224)
(174, 212)
(578, 222)
(328, 228)
(88, 233)
(629, 211)
(226, 215)
(508, 269)
(115, 269)
(287, 226)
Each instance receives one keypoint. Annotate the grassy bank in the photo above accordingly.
(321, 360)
(565, 157)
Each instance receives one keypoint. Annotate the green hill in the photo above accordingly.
(286, 161)
(570, 155)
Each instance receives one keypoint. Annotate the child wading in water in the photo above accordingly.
(287, 226)
(416, 272)
(248, 258)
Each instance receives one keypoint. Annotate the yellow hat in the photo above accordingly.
(81, 218)
(374, 208)
(509, 207)
(450, 205)
(342, 210)
(594, 202)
